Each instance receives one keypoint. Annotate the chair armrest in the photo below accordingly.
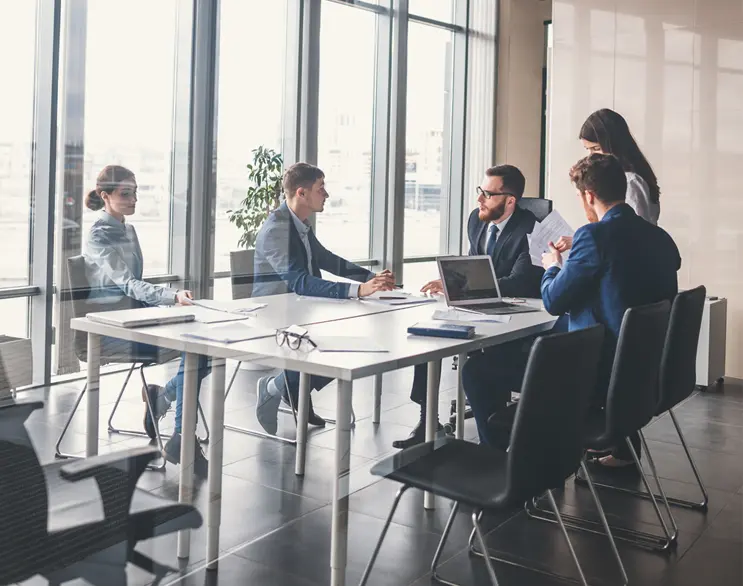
(116, 475)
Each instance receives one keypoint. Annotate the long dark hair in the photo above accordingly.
(610, 130)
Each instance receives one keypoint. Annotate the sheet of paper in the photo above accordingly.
(394, 298)
(469, 317)
(213, 316)
(548, 230)
(345, 344)
(238, 306)
(230, 333)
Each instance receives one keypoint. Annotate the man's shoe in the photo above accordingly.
(313, 418)
(160, 406)
(417, 436)
(267, 406)
(172, 454)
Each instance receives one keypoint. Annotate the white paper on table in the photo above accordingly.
(345, 344)
(236, 306)
(397, 298)
(213, 316)
(469, 317)
(230, 333)
(548, 230)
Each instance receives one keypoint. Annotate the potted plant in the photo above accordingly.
(264, 195)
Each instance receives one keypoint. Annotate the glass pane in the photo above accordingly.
(346, 126)
(250, 103)
(17, 49)
(14, 317)
(427, 137)
(417, 274)
(442, 10)
(129, 110)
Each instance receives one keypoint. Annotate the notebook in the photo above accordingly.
(142, 317)
(442, 330)
(229, 333)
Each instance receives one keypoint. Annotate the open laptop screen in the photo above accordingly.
(468, 278)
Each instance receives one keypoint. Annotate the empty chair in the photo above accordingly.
(538, 206)
(678, 376)
(546, 446)
(84, 543)
(82, 304)
(631, 403)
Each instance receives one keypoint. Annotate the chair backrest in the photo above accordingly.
(242, 268)
(23, 494)
(678, 367)
(538, 206)
(548, 433)
(632, 397)
(79, 294)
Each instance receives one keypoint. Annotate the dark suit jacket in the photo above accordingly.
(517, 276)
(620, 262)
(281, 262)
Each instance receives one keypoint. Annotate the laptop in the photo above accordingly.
(470, 284)
(142, 317)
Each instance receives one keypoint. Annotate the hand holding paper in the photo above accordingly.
(549, 230)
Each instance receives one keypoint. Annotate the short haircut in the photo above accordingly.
(513, 179)
(601, 174)
(300, 175)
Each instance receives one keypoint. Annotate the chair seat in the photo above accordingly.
(462, 471)
(77, 503)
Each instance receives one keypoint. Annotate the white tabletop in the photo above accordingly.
(387, 328)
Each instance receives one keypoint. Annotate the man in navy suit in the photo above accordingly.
(289, 258)
(497, 227)
(617, 261)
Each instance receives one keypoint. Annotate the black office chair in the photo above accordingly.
(631, 403)
(546, 447)
(84, 543)
(538, 206)
(678, 378)
(79, 294)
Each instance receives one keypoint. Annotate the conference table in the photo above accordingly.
(384, 325)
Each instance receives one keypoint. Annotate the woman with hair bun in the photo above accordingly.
(113, 251)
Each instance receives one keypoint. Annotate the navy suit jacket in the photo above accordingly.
(281, 262)
(517, 276)
(620, 262)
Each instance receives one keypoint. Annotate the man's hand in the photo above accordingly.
(183, 297)
(433, 287)
(384, 281)
(564, 243)
(552, 257)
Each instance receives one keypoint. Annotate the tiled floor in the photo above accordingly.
(276, 526)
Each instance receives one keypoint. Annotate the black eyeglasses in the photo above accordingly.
(489, 194)
(292, 340)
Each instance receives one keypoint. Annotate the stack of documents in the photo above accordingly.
(235, 306)
(548, 230)
(398, 298)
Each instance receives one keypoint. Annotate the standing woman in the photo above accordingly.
(607, 132)
(113, 251)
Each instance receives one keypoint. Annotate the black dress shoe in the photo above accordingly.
(417, 436)
(313, 418)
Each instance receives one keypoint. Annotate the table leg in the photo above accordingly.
(377, 398)
(339, 530)
(216, 452)
(303, 413)
(92, 395)
(432, 414)
(461, 401)
(188, 445)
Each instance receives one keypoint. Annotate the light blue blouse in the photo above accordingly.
(116, 264)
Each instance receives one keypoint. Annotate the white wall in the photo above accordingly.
(674, 70)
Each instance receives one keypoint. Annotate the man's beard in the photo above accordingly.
(493, 214)
(591, 214)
